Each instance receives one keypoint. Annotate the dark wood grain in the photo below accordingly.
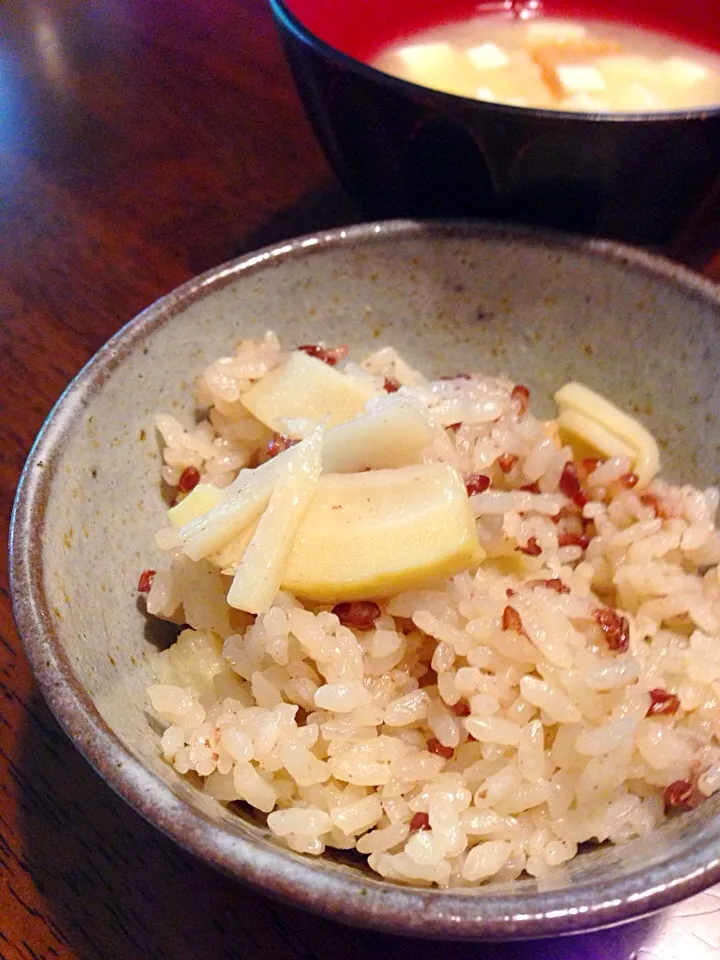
(142, 141)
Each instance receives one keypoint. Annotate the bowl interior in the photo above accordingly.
(451, 298)
(362, 29)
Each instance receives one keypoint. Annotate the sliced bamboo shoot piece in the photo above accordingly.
(394, 436)
(232, 553)
(213, 530)
(575, 396)
(259, 573)
(240, 504)
(200, 500)
(588, 438)
(374, 534)
(304, 387)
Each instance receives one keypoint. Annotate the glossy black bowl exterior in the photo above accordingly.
(405, 150)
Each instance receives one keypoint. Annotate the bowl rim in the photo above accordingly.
(294, 25)
(301, 881)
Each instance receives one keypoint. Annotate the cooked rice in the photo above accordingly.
(455, 743)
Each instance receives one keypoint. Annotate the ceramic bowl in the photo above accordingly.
(541, 308)
(405, 150)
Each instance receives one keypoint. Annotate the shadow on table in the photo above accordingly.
(117, 889)
(326, 208)
(329, 206)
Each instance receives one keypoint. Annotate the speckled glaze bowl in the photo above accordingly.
(542, 308)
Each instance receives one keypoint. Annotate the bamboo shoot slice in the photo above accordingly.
(306, 388)
(575, 396)
(394, 436)
(375, 534)
(588, 438)
(259, 573)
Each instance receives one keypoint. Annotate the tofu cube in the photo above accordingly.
(682, 73)
(580, 79)
(628, 68)
(488, 56)
(435, 65)
(426, 58)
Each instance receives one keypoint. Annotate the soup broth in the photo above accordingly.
(558, 64)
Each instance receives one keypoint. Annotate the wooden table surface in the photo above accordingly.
(143, 141)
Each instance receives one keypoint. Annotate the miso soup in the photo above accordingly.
(582, 65)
